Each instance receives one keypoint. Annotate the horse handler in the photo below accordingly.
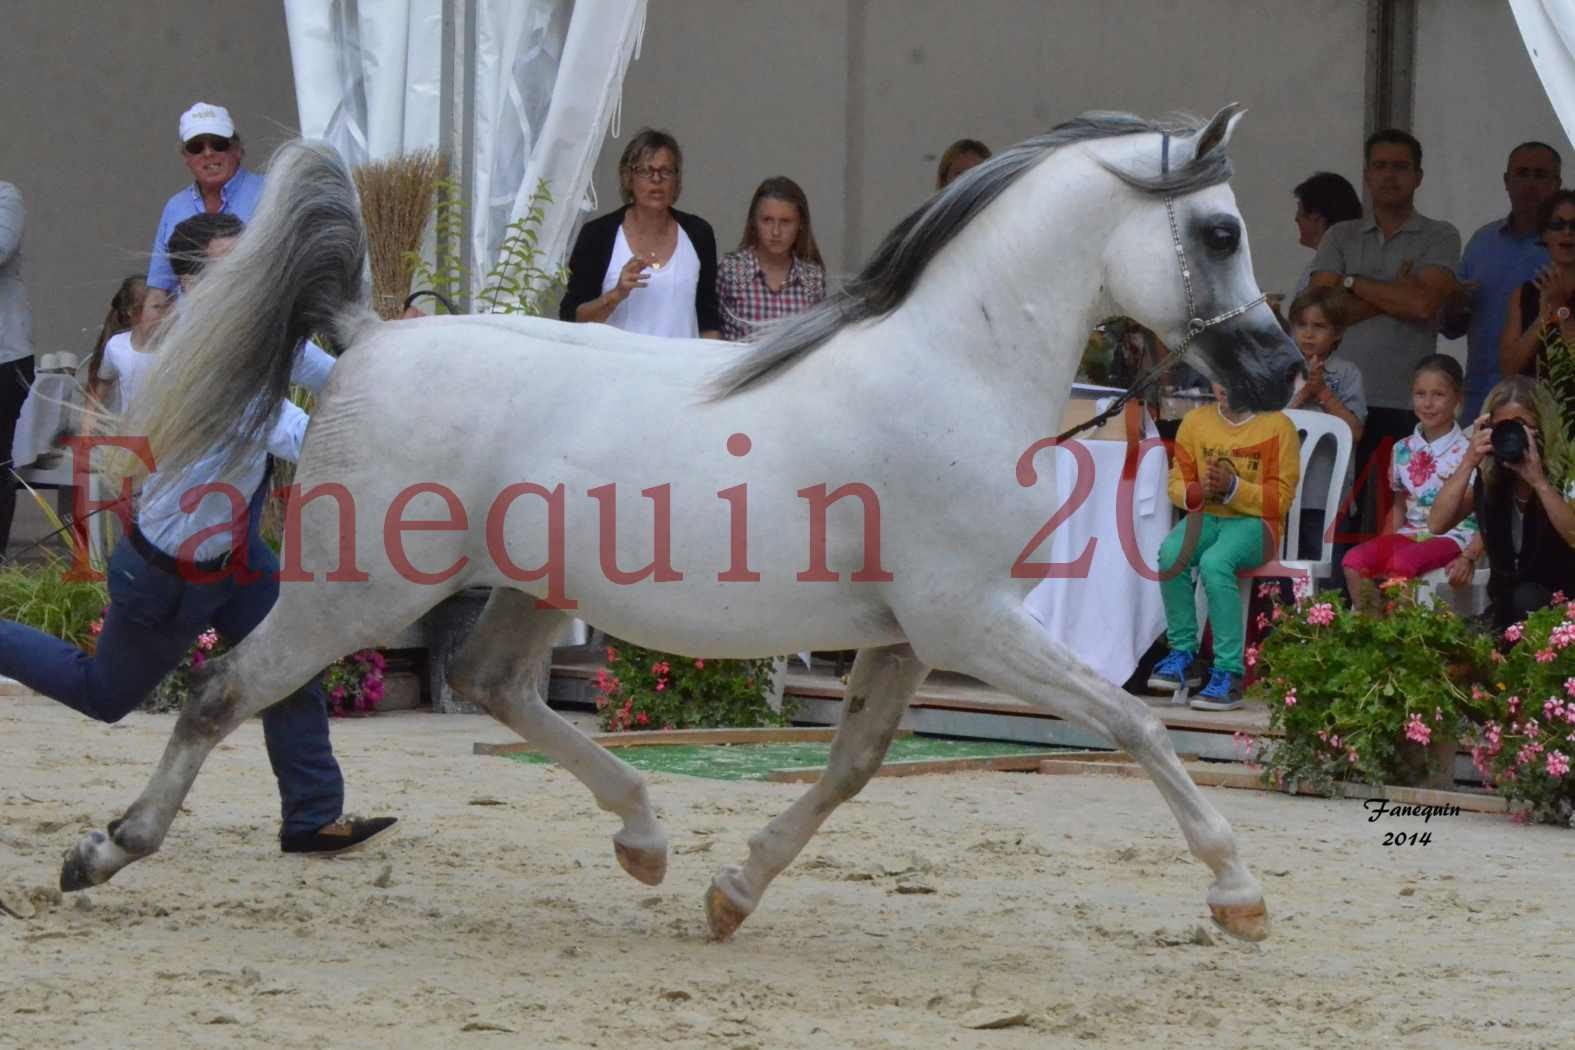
(222, 575)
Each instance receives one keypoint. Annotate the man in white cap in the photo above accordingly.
(213, 153)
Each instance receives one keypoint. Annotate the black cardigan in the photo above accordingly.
(593, 250)
(1544, 559)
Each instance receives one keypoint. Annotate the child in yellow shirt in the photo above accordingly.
(1239, 470)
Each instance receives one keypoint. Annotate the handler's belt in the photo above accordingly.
(172, 565)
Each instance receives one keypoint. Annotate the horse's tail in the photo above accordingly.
(226, 354)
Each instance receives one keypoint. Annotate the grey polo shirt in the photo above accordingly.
(1386, 348)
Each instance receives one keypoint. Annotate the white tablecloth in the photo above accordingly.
(1112, 615)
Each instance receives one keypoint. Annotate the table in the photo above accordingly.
(1109, 615)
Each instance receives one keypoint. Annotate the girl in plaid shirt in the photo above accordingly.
(777, 270)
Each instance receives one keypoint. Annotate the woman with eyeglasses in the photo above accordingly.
(647, 267)
(1545, 305)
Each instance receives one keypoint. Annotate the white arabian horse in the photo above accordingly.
(852, 481)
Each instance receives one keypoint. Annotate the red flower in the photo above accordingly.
(1421, 467)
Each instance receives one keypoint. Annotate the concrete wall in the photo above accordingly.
(93, 94)
(1477, 97)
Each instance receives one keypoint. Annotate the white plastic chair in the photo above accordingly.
(1466, 601)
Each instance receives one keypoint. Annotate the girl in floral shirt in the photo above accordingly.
(1421, 465)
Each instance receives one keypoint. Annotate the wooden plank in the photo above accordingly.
(1234, 775)
(670, 737)
(1024, 763)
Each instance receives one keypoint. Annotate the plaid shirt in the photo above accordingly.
(746, 300)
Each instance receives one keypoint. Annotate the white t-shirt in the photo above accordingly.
(125, 366)
(666, 305)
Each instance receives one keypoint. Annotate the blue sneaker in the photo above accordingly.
(1223, 693)
(1178, 668)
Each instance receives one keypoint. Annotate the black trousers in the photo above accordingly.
(15, 379)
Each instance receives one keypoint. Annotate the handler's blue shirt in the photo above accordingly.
(1500, 262)
(239, 197)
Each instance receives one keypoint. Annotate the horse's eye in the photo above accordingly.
(1222, 237)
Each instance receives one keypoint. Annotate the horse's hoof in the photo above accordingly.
(647, 865)
(1250, 922)
(722, 916)
(77, 870)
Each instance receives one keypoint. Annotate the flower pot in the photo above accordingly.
(1430, 765)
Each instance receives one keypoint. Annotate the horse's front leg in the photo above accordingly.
(879, 688)
(1018, 657)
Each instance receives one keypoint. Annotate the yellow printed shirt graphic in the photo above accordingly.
(1262, 451)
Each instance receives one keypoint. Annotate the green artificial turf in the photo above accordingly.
(754, 761)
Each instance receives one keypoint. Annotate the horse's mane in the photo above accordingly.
(897, 264)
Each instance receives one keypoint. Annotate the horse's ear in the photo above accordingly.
(1218, 131)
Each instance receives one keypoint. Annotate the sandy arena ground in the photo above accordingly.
(499, 918)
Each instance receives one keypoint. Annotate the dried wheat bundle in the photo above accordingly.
(396, 201)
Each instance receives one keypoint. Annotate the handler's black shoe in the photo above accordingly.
(342, 836)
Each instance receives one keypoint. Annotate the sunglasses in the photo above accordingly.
(213, 142)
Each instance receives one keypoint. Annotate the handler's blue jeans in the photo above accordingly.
(154, 617)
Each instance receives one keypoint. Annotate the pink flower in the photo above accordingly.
(1420, 468)
(1266, 590)
(1562, 635)
(1278, 612)
(700, 664)
(1558, 764)
(1546, 656)
(1558, 598)
(1498, 657)
(1301, 587)
(612, 654)
(207, 640)
(96, 628)
(337, 693)
(669, 726)
(1350, 755)
(1321, 615)
(1395, 581)
(1416, 730)
(1262, 622)
(1569, 686)
(1252, 656)
(1513, 631)
(1438, 714)
(642, 719)
(196, 658)
(1290, 698)
(661, 685)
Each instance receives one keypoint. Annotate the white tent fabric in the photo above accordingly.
(368, 76)
(603, 39)
(548, 75)
(518, 47)
(1548, 28)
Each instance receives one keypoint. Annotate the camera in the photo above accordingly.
(1510, 440)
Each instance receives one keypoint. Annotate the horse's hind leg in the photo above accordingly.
(496, 668)
(879, 688)
(1017, 657)
(307, 629)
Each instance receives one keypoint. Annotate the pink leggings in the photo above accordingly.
(1396, 554)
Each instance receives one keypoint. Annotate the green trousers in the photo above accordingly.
(1225, 547)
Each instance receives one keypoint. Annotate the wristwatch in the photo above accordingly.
(1348, 282)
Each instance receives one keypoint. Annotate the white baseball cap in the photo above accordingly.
(205, 118)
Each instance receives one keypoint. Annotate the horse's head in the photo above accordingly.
(1201, 289)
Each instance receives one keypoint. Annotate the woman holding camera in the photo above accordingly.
(1527, 524)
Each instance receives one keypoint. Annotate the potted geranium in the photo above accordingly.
(644, 689)
(1526, 744)
(1354, 697)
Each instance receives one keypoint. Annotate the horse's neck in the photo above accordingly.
(1005, 312)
